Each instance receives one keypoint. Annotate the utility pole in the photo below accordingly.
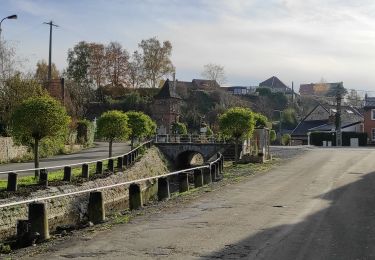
(338, 114)
(50, 23)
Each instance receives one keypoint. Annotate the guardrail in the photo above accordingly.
(38, 219)
(189, 138)
(123, 160)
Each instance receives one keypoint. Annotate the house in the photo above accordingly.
(166, 108)
(241, 90)
(322, 119)
(275, 85)
(369, 118)
(316, 89)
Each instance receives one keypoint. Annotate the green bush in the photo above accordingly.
(285, 139)
(272, 135)
(85, 132)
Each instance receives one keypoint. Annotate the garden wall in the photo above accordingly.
(9, 151)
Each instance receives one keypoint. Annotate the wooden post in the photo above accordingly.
(111, 166)
(12, 181)
(135, 197)
(85, 171)
(96, 210)
(43, 178)
(38, 220)
(163, 189)
(198, 178)
(120, 163)
(183, 182)
(67, 173)
(207, 179)
(99, 167)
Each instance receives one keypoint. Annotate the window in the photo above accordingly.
(372, 114)
(373, 134)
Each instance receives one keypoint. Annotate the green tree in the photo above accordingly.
(141, 126)
(289, 118)
(260, 120)
(285, 139)
(113, 125)
(179, 128)
(79, 63)
(337, 90)
(38, 118)
(16, 90)
(41, 73)
(156, 60)
(237, 123)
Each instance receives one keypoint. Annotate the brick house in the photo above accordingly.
(369, 119)
(166, 108)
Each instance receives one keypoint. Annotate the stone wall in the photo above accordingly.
(10, 151)
(72, 210)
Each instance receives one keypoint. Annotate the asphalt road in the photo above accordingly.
(100, 150)
(320, 205)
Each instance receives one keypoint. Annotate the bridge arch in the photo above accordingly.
(189, 158)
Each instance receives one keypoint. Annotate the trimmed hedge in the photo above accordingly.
(317, 138)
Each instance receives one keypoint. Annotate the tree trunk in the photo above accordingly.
(236, 151)
(36, 156)
(110, 148)
(132, 143)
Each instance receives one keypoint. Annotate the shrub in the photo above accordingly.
(285, 139)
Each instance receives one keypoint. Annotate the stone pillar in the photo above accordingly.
(99, 167)
(120, 163)
(38, 220)
(111, 166)
(133, 157)
(67, 173)
(96, 210)
(85, 171)
(43, 178)
(198, 178)
(218, 168)
(135, 196)
(12, 181)
(163, 189)
(183, 182)
(222, 163)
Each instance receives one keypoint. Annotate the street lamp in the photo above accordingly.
(13, 16)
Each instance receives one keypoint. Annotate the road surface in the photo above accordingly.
(100, 150)
(320, 205)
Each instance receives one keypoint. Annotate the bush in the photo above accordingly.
(285, 139)
(85, 132)
(179, 128)
(272, 135)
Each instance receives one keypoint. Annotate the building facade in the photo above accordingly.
(369, 119)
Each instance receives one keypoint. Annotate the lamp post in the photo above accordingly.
(14, 16)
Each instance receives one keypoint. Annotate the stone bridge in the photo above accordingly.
(181, 154)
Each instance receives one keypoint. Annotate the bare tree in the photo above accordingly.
(96, 69)
(136, 70)
(117, 65)
(156, 60)
(8, 61)
(214, 72)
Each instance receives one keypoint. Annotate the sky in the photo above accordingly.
(302, 41)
